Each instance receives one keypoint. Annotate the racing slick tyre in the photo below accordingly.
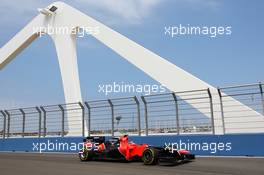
(150, 156)
(85, 155)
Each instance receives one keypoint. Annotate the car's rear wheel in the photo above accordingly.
(150, 156)
(85, 155)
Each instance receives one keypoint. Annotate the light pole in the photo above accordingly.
(118, 118)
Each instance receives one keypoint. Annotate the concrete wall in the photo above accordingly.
(219, 145)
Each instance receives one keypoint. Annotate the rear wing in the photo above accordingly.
(95, 139)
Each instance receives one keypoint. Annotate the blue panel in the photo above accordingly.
(221, 145)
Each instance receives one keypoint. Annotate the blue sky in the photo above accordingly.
(33, 78)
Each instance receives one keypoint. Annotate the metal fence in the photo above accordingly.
(188, 112)
(250, 95)
(169, 113)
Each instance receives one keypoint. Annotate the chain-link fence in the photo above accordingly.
(235, 109)
(236, 117)
(172, 112)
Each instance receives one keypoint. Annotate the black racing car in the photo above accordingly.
(97, 148)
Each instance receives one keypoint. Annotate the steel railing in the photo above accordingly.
(184, 112)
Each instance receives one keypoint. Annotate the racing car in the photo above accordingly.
(121, 149)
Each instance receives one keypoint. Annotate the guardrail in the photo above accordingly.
(250, 95)
(156, 114)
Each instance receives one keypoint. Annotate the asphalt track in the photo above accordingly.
(49, 164)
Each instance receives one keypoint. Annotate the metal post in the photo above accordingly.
(8, 123)
(177, 112)
(23, 122)
(4, 123)
(262, 96)
(39, 111)
(62, 120)
(89, 117)
(138, 113)
(44, 121)
(146, 113)
(212, 110)
(113, 117)
(82, 107)
(222, 109)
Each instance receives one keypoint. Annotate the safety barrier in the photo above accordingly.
(211, 145)
(159, 114)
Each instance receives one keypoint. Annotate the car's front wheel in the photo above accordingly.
(150, 156)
